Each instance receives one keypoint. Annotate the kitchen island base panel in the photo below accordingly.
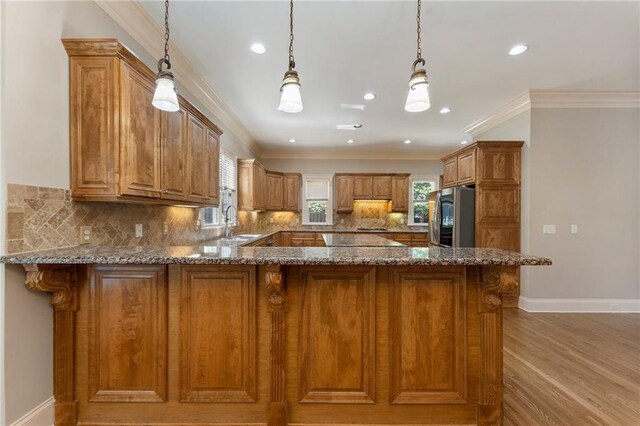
(277, 345)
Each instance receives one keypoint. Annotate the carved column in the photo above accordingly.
(60, 280)
(275, 283)
(494, 282)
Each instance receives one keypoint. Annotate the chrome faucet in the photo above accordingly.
(228, 230)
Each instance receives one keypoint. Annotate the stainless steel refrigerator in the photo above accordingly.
(454, 217)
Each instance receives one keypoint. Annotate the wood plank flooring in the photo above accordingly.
(571, 369)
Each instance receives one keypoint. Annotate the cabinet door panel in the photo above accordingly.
(427, 332)
(218, 334)
(275, 196)
(362, 187)
(498, 204)
(127, 334)
(337, 335)
(344, 193)
(173, 141)
(499, 165)
(382, 187)
(139, 137)
(292, 192)
(213, 176)
(400, 194)
(450, 177)
(94, 132)
(467, 167)
(197, 159)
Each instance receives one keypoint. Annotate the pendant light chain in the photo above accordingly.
(292, 62)
(419, 30)
(166, 31)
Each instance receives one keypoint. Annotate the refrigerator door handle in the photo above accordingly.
(435, 227)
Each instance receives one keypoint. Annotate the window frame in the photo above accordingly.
(305, 200)
(217, 211)
(434, 184)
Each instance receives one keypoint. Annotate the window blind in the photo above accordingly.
(227, 172)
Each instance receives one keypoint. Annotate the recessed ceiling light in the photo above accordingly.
(292, 140)
(369, 96)
(258, 48)
(407, 141)
(445, 110)
(464, 142)
(518, 49)
(350, 141)
(357, 126)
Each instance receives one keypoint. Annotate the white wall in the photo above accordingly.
(580, 166)
(584, 170)
(3, 225)
(35, 151)
(415, 167)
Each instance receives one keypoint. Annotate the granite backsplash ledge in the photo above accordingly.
(42, 218)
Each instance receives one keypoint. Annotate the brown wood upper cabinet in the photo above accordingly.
(261, 189)
(400, 193)
(122, 148)
(460, 167)
(363, 187)
(381, 187)
(292, 183)
(275, 191)
(343, 188)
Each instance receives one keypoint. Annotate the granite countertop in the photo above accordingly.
(417, 230)
(358, 240)
(226, 254)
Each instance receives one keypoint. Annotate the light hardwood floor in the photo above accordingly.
(571, 369)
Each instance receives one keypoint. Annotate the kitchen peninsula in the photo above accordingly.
(228, 334)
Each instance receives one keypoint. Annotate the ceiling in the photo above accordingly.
(346, 48)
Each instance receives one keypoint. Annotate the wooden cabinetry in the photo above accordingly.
(292, 183)
(362, 187)
(400, 193)
(381, 187)
(122, 148)
(494, 168)
(350, 187)
(261, 189)
(343, 188)
(275, 191)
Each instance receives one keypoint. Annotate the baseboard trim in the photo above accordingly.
(42, 415)
(610, 306)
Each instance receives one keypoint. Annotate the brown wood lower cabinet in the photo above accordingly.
(241, 344)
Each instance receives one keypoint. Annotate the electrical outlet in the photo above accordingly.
(574, 229)
(85, 234)
(139, 232)
(548, 229)
(165, 228)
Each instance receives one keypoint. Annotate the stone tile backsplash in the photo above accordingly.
(43, 218)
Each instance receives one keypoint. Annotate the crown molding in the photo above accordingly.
(137, 22)
(341, 155)
(554, 99)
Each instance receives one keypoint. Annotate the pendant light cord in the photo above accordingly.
(419, 30)
(292, 62)
(166, 33)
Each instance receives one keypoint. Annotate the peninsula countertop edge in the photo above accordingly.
(216, 254)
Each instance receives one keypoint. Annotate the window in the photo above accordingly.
(214, 216)
(419, 200)
(317, 208)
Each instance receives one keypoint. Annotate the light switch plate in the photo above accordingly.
(139, 231)
(548, 229)
(574, 229)
(165, 228)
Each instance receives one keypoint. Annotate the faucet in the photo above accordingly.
(228, 230)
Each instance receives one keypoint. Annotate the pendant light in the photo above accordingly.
(165, 97)
(418, 97)
(290, 99)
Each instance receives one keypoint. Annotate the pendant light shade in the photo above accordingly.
(418, 96)
(165, 97)
(290, 98)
